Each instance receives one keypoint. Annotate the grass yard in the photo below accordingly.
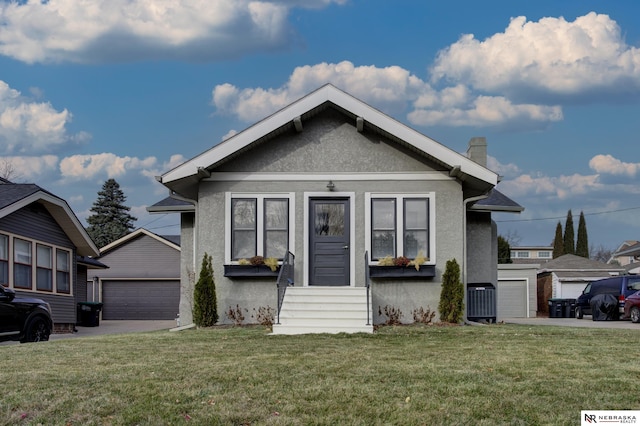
(411, 375)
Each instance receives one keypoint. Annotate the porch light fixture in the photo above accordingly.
(331, 186)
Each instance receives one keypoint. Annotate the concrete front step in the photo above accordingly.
(323, 310)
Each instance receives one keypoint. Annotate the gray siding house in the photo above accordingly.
(44, 250)
(333, 189)
(143, 279)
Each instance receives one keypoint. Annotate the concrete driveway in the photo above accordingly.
(572, 322)
(117, 327)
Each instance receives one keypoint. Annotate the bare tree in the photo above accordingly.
(8, 170)
(601, 253)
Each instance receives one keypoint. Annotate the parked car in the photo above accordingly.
(621, 287)
(632, 307)
(23, 318)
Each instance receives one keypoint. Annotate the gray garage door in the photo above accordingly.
(512, 299)
(140, 300)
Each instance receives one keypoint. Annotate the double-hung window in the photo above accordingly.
(22, 264)
(4, 260)
(44, 268)
(400, 225)
(63, 271)
(259, 225)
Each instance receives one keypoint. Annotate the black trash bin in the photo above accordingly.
(569, 308)
(556, 308)
(89, 314)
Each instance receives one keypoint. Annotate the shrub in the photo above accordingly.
(235, 315)
(264, 315)
(393, 315)
(422, 316)
(205, 310)
(451, 304)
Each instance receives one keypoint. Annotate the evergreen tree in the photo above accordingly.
(451, 304)
(569, 236)
(504, 250)
(110, 219)
(558, 242)
(205, 301)
(582, 244)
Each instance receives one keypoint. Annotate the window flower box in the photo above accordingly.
(401, 272)
(250, 271)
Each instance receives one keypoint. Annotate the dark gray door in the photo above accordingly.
(134, 300)
(329, 243)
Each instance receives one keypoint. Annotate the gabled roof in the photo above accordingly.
(171, 205)
(15, 196)
(365, 117)
(633, 250)
(571, 262)
(131, 236)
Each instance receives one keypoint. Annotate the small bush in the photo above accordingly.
(264, 315)
(393, 315)
(205, 310)
(451, 305)
(422, 316)
(235, 315)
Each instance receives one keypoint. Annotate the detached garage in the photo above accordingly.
(516, 292)
(143, 279)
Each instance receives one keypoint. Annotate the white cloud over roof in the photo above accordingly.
(96, 31)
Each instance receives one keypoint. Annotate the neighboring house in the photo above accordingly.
(531, 254)
(44, 250)
(566, 276)
(627, 253)
(328, 179)
(143, 279)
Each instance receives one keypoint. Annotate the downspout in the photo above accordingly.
(172, 194)
(464, 249)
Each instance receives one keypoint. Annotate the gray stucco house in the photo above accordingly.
(45, 251)
(333, 188)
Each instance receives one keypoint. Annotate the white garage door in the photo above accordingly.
(140, 300)
(512, 299)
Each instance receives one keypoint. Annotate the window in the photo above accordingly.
(21, 264)
(544, 254)
(63, 271)
(259, 225)
(400, 225)
(44, 268)
(523, 254)
(4, 260)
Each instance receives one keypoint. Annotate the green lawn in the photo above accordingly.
(412, 375)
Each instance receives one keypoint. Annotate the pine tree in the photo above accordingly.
(205, 301)
(504, 250)
(582, 244)
(111, 219)
(451, 304)
(569, 236)
(558, 242)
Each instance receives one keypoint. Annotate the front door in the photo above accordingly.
(329, 243)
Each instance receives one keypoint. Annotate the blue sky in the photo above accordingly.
(127, 89)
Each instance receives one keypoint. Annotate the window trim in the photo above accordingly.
(260, 220)
(400, 215)
(11, 238)
(49, 268)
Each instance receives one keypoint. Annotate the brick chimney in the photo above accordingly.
(477, 150)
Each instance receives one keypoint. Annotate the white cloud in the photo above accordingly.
(30, 169)
(607, 164)
(77, 31)
(552, 56)
(391, 89)
(558, 187)
(77, 167)
(27, 126)
(505, 170)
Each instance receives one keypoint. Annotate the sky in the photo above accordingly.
(129, 89)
